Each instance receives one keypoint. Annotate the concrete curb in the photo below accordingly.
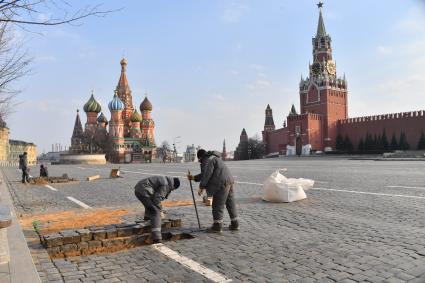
(4, 247)
(22, 268)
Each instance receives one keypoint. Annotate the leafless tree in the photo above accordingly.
(46, 12)
(14, 60)
(14, 63)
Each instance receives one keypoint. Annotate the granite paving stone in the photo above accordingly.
(329, 237)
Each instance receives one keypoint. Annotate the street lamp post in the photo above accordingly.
(175, 149)
(91, 145)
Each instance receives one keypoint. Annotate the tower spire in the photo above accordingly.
(269, 123)
(321, 31)
(224, 153)
(122, 82)
(293, 111)
(78, 127)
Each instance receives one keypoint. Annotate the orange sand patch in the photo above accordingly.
(63, 220)
(76, 219)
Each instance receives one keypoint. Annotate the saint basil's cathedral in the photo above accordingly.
(127, 137)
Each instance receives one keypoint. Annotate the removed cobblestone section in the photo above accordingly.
(47, 180)
(109, 238)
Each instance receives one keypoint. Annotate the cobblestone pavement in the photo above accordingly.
(364, 222)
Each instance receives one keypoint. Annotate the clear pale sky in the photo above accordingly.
(211, 67)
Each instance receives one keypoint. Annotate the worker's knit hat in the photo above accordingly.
(176, 183)
(200, 153)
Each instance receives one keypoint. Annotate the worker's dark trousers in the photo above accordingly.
(25, 175)
(224, 197)
(152, 210)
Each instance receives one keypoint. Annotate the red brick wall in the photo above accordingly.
(411, 123)
(297, 121)
(333, 107)
(276, 140)
(313, 94)
(313, 107)
(315, 133)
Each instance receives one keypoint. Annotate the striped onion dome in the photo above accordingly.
(146, 105)
(135, 117)
(116, 104)
(102, 118)
(92, 105)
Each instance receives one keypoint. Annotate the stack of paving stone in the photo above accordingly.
(109, 238)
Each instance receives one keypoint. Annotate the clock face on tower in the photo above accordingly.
(331, 67)
(316, 68)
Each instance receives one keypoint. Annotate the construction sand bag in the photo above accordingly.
(278, 188)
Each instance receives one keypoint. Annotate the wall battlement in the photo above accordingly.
(334, 83)
(391, 116)
(312, 116)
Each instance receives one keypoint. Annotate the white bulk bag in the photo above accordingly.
(278, 188)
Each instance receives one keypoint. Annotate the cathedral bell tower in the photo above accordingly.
(323, 92)
(124, 93)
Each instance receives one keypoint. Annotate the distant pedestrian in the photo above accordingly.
(216, 179)
(151, 191)
(43, 171)
(23, 164)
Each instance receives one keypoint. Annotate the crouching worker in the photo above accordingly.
(151, 191)
(43, 171)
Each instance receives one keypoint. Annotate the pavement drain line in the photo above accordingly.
(51, 188)
(357, 192)
(80, 203)
(191, 264)
(406, 187)
(179, 176)
(368, 193)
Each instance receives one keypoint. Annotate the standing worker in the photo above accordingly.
(217, 180)
(151, 191)
(23, 164)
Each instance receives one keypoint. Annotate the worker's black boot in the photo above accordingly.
(157, 241)
(215, 228)
(234, 225)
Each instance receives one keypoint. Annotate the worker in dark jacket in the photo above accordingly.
(215, 178)
(151, 191)
(43, 171)
(23, 164)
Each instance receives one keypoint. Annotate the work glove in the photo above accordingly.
(190, 177)
(201, 191)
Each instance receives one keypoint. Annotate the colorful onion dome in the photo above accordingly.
(146, 105)
(135, 117)
(102, 118)
(116, 104)
(92, 105)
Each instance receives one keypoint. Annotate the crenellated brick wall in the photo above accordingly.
(411, 123)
